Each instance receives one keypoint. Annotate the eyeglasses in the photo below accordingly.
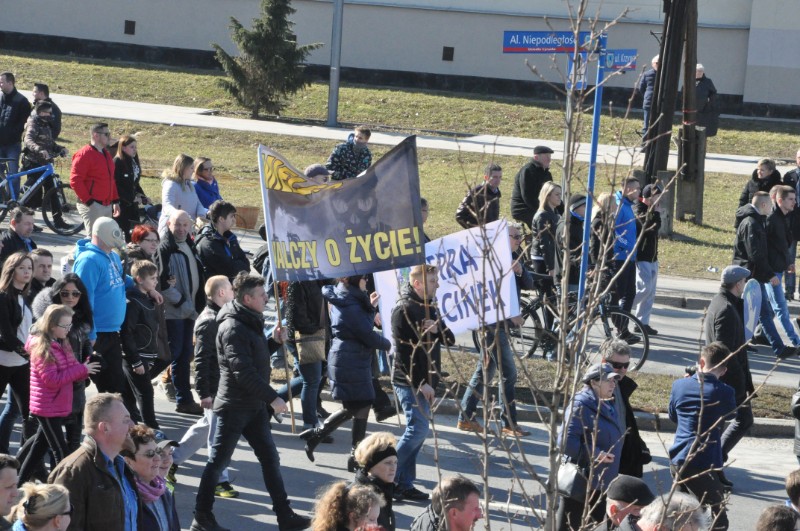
(67, 326)
(69, 294)
(517, 237)
(619, 364)
(71, 510)
(150, 240)
(152, 453)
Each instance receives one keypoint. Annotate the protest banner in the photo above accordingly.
(477, 286)
(342, 228)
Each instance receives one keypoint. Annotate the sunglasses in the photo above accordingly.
(619, 364)
(152, 453)
(67, 294)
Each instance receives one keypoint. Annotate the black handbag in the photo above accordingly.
(571, 480)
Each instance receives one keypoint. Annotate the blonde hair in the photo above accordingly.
(605, 202)
(97, 408)
(42, 329)
(544, 193)
(374, 443)
(178, 167)
(214, 284)
(40, 504)
(336, 504)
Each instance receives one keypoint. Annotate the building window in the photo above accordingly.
(447, 53)
(130, 27)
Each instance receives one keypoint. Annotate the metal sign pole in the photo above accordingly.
(336, 59)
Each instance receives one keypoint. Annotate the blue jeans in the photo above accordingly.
(646, 120)
(307, 386)
(8, 418)
(180, 333)
(253, 424)
(474, 390)
(11, 151)
(778, 301)
(790, 278)
(767, 320)
(418, 413)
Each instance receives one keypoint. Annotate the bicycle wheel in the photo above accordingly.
(605, 326)
(527, 338)
(60, 210)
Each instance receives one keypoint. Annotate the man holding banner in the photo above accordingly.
(419, 333)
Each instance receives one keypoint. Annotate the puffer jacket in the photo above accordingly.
(221, 254)
(178, 301)
(646, 87)
(140, 331)
(51, 382)
(205, 351)
(750, 246)
(243, 354)
(758, 185)
(353, 343)
(39, 142)
(386, 516)
(543, 246)
(347, 163)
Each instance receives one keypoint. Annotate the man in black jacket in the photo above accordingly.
(528, 183)
(792, 178)
(779, 239)
(218, 247)
(724, 322)
(14, 111)
(646, 88)
(635, 453)
(18, 236)
(575, 220)
(481, 205)
(244, 403)
(418, 333)
(750, 252)
(764, 177)
(648, 220)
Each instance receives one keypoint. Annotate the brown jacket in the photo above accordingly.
(94, 492)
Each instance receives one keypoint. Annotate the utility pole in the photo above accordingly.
(336, 60)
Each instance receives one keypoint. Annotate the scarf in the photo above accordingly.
(151, 491)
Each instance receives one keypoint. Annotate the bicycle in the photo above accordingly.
(603, 324)
(59, 204)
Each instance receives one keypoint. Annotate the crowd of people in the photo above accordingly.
(184, 294)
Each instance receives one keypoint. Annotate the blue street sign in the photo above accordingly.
(623, 59)
(542, 41)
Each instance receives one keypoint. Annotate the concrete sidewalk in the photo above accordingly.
(488, 144)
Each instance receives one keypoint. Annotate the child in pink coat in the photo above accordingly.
(53, 370)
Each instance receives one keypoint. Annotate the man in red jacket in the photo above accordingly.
(92, 178)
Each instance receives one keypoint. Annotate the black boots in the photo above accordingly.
(314, 436)
(359, 432)
(205, 521)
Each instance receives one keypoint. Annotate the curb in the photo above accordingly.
(678, 300)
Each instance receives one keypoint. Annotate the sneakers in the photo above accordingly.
(650, 330)
(515, 431)
(206, 522)
(225, 490)
(469, 425)
(168, 389)
(628, 337)
(411, 493)
(190, 408)
(293, 521)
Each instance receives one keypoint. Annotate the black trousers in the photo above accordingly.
(139, 391)
(707, 488)
(49, 435)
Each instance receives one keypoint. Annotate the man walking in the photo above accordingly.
(624, 264)
(244, 403)
(649, 219)
(455, 506)
(481, 205)
(779, 240)
(14, 112)
(92, 178)
(792, 178)
(646, 88)
(528, 183)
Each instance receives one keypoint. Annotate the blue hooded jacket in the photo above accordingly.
(105, 282)
(624, 229)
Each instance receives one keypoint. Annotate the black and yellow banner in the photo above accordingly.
(343, 228)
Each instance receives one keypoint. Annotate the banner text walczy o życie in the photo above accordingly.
(342, 228)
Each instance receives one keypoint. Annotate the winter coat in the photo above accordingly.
(140, 331)
(525, 194)
(724, 322)
(480, 206)
(207, 193)
(750, 246)
(127, 175)
(167, 503)
(792, 178)
(221, 254)
(779, 239)
(92, 176)
(94, 492)
(624, 229)
(577, 435)
(347, 163)
(635, 453)
(649, 220)
(706, 101)
(304, 307)
(601, 242)
(646, 86)
(39, 142)
(576, 247)
(386, 517)
(428, 520)
(718, 401)
(36, 287)
(758, 185)
(10, 320)
(56, 116)
(353, 343)
(543, 245)
(411, 360)
(14, 112)
(177, 196)
(105, 282)
(178, 300)
(12, 243)
(243, 353)
(206, 379)
(51, 382)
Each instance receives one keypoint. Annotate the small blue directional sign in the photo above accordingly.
(622, 59)
(542, 41)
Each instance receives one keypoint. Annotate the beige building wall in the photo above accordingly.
(741, 42)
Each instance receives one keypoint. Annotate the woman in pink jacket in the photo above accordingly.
(53, 370)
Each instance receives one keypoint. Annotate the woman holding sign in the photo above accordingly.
(353, 346)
